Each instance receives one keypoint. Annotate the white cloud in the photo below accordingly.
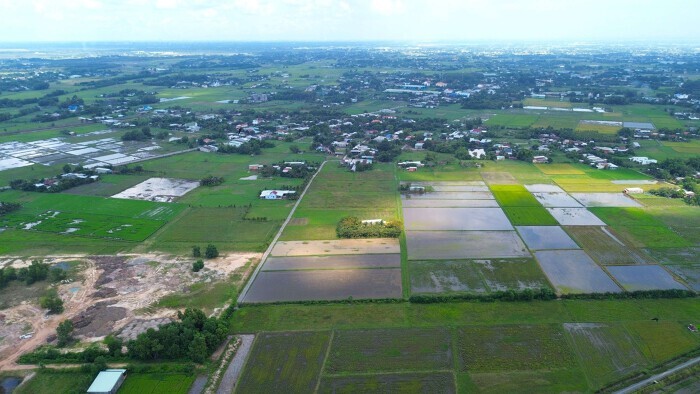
(387, 7)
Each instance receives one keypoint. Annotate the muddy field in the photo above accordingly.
(425, 219)
(644, 277)
(334, 247)
(605, 200)
(465, 195)
(606, 247)
(546, 237)
(689, 273)
(158, 189)
(429, 203)
(575, 217)
(556, 200)
(572, 271)
(276, 286)
(332, 262)
(446, 245)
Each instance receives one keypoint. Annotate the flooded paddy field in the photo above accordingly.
(572, 271)
(456, 219)
(644, 277)
(332, 262)
(605, 200)
(445, 245)
(546, 237)
(575, 217)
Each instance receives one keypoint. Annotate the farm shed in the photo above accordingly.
(107, 381)
(275, 194)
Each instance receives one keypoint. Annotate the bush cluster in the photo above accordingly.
(352, 227)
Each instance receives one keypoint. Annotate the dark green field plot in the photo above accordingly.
(224, 227)
(390, 383)
(284, 362)
(90, 225)
(513, 348)
(512, 120)
(390, 350)
(514, 196)
(607, 351)
(646, 230)
(529, 216)
(154, 383)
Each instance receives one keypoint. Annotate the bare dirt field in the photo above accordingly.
(605, 200)
(275, 286)
(332, 262)
(444, 245)
(572, 271)
(114, 292)
(644, 277)
(546, 237)
(158, 189)
(334, 247)
(456, 219)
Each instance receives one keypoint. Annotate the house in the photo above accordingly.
(103, 170)
(643, 160)
(276, 194)
(107, 381)
(418, 146)
(477, 153)
(255, 167)
(540, 159)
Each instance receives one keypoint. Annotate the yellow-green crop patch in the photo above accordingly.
(662, 340)
(157, 383)
(529, 216)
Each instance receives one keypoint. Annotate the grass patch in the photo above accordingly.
(45, 382)
(642, 227)
(513, 348)
(390, 383)
(559, 169)
(551, 381)
(529, 216)
(156, 383)
(389, 350)
(284, 362)
(662, 340)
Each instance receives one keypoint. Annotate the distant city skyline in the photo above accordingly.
(348, 20)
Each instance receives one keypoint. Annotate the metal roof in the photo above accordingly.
(106, 380)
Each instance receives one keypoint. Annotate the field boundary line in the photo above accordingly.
(325, 360)
(265, 255)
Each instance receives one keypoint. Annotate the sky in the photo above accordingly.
(349, 20)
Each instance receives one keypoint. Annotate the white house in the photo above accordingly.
(276, 194)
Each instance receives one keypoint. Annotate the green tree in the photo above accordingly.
(211, 252)
(114, 345)
(197, 265)
(294, 149)
(67, 168)
(197, 351)
(57, 274)
(196, 251)
(64, 332)
(52, 302)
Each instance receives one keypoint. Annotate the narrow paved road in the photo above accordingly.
(233, 372)
(241, 297)
(645, 382)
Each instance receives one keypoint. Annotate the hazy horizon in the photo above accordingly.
(442, 21)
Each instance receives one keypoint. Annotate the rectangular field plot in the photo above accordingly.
(153, 383)
(605, 200)
(481, 195)
(334, 247)
(575, 217)
(689, 273)
(529, 216)
(544, 188)
(427, 203)
(430, 277)
(546, 237)
(445, 245)
(274, 286)
(387, 350)
(559, 169)
(514, 196)
(499, 178)
(437, 382)
(644, 277)
(513, 348)
(512, 274)
(332, 262)
(158, 189)
(556, 200)
(605, 247)
(284, 362)
(455, 219)
(569, 380)
(645, 229)
(607, 352)
(572, 271)
(662, 340)
(475, 276)
(460, 188)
